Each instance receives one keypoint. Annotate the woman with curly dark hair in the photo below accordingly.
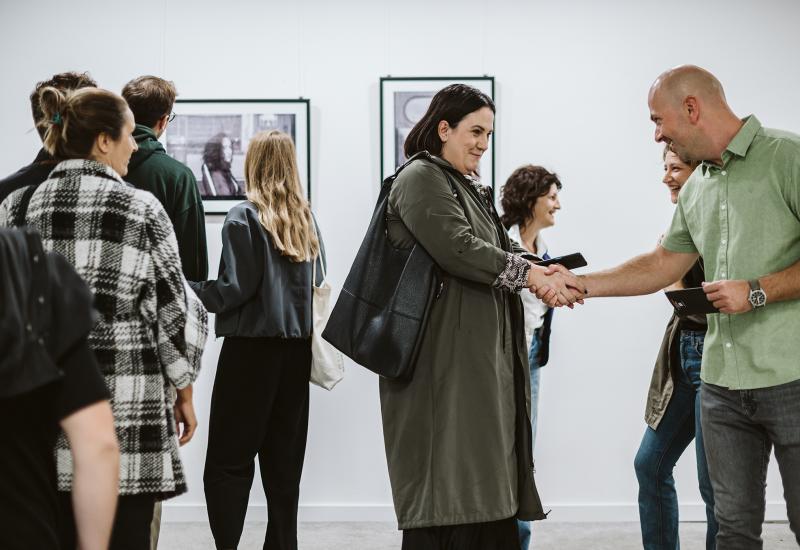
(530, 200)
(218, 180)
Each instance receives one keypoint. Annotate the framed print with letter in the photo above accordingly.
(210, 136)
(404, 101)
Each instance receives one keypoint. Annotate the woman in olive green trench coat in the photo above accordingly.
(457, 434)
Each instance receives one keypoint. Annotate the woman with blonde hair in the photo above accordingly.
(262, 298)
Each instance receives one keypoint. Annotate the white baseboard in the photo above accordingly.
(314, 512)
(579, 513)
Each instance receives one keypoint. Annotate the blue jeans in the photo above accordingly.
(524, 527)
(660, 450)
(742, 427)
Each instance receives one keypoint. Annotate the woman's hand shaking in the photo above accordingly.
(556, 286)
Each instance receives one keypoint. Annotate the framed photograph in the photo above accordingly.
(403, 103)
(210, 136)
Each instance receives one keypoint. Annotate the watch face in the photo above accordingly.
(758, 298)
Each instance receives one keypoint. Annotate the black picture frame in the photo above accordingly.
(426, 86)
(199, 121)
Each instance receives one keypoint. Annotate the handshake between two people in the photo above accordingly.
(556, 286)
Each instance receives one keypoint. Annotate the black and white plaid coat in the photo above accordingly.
(152, 328)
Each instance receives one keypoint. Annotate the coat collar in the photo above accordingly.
(85, 167)
(44, 156)
(447, 166)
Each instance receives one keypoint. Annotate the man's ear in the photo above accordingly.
(161, 125)
(444, 130)
(692, 109)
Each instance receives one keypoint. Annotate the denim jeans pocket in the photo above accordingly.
(692, 355)
(698, 345)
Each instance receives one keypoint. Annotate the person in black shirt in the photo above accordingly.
(36, 172)
(49, 378)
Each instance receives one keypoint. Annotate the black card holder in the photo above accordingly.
(689, 301)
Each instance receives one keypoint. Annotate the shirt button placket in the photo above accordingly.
(726, 333)
(723, 226)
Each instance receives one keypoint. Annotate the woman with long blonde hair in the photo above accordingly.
(262, 298)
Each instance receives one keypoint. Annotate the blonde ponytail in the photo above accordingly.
(53, 103)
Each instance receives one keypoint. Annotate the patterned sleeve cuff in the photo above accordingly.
(514, 278)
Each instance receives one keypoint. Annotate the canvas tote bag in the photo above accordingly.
(327, 363)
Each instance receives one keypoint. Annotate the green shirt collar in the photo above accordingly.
(742, 140)
(739, 144)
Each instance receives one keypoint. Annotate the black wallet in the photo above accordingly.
(689, 301)
(570, 261)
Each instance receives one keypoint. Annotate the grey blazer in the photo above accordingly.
(258, 292)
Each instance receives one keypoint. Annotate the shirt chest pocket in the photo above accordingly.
(704, 219)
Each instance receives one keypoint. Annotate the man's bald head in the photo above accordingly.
(688, 106)
(675, 85)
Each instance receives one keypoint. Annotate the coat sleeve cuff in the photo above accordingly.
(514, 277)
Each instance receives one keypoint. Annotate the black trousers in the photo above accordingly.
(259, 407)
(131, 529)
(493, 535)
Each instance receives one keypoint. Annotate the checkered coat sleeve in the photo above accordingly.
(178, 314)
(151, 330)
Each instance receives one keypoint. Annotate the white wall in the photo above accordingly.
(572, 79)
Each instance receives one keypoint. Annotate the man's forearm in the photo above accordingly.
(643, 274)
(783, 285)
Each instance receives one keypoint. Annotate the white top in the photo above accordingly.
(535, 309)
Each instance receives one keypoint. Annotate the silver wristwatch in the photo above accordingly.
(757, 298)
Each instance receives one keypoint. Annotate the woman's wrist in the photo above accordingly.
(515, 276)
(185, 394)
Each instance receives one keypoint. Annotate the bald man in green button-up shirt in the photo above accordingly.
(740, 210)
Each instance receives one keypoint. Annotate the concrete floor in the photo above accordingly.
(384, 536)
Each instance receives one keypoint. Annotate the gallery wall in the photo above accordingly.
(571, 85)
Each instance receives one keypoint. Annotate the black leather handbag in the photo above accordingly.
(380, 316)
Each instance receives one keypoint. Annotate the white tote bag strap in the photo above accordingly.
(318, 257)
(327, 363)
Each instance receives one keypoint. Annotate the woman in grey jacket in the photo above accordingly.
(262, 298)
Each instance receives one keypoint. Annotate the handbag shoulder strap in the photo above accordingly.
(22, 208)
(429, 157)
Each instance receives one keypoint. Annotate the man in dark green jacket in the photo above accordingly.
(173, 183)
